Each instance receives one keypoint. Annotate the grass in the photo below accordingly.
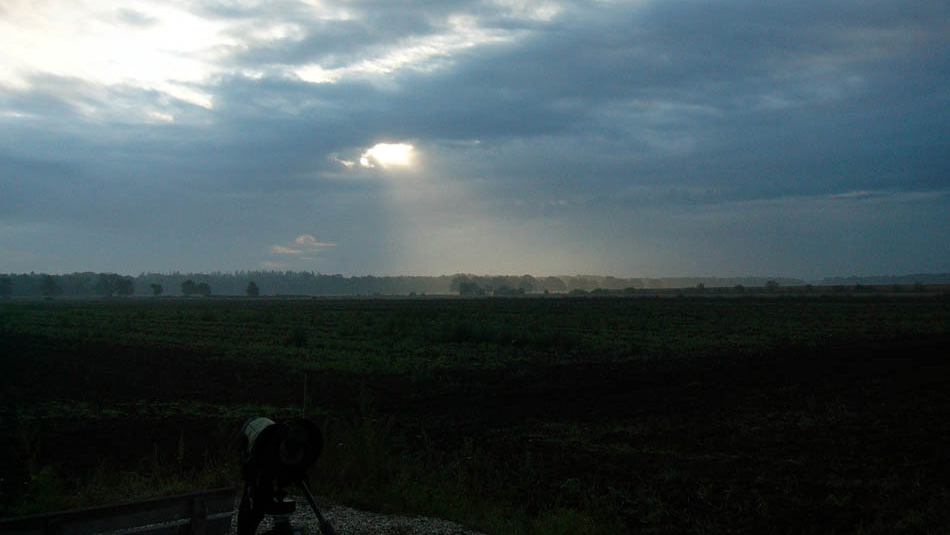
(52, 488)
(644, 414)
(141, 409)
(394, 336)
(363, 466)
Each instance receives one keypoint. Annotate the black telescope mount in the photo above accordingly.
(275, 456)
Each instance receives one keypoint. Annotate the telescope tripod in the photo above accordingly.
(256, 503)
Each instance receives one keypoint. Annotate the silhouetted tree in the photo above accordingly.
(497, 283)
(508, 290)
(124, 285)
(457, 281)
(48, 286)
(470, 288)
(465, 285)
(554, 284)
(527, 284)
(189, 287)
(6, 287)
(109, 283)
(771, 285)
(157, 289)
(252, 289)
(203, 289)
(105, 285)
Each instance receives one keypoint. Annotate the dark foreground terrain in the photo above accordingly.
(517, 416)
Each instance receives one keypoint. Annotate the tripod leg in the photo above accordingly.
(250, 513)
(325, 526)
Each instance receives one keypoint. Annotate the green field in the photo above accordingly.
(784, 414)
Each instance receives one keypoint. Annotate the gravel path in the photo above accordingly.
(348, 521)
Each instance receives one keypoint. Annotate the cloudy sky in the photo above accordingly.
(630, 138)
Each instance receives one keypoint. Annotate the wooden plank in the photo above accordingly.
(127, 517)
(148, 517)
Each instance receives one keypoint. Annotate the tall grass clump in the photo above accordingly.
(46, 487)
(367, 464)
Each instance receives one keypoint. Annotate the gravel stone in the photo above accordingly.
(347, 521)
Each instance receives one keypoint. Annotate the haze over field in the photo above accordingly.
(637, 139)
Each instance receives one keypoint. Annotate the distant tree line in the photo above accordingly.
(86, 284)
(584, 284)
(270, 283)
(250, 283)
(881, 280)
(257, 283)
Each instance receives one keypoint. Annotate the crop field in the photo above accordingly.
(758, 414)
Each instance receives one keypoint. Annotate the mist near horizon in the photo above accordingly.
(631, 139)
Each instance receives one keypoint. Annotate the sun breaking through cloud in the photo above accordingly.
(388, 155)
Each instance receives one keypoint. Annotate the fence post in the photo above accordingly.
(52, 527)
(199, 517)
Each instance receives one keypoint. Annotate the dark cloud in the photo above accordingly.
(335, 42)
(781, 101)
(658, 138)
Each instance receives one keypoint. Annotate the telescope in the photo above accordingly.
(275, 456)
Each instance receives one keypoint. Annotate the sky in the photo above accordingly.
(392, 137)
